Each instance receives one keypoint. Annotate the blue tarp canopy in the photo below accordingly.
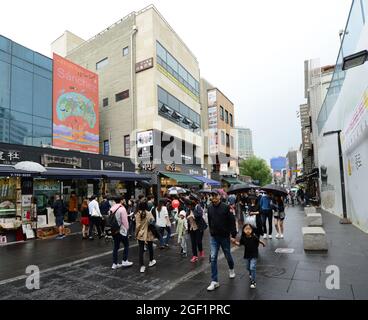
(210, 182)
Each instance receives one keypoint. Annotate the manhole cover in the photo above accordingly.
(284, 250)
(270, 271)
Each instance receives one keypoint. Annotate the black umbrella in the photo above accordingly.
(244, 187)
(205, 191)
(275, 190)
(193, 196)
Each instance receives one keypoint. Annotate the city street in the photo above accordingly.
(75, 269)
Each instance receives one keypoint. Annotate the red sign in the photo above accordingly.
(75, 107)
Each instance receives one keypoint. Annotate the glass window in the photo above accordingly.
(21, 93)
(125, 51)
(5, 44)
(161, 52)
(42, 122)
(22, 64)
(4, 85)
(41, 136)
(226, 116)
(227, 140)
(105, 102)
(4, 129)
(191, 81)
(221, 113)
(184, 110)
(22, 52)
(5, 57)
(43, 61)
(122, 96)
(20, 132)
(43, 72)
(222, 138)
(20, 116)
(172, 62)
(173, 103)
(106, 147)
(162, 96)
(231, 120)
(127, 146)
(42, 97)
(183, 73)
(102, 63)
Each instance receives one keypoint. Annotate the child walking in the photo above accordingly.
(251, 243)
(181, 230)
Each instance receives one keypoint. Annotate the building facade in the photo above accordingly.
(245, 143)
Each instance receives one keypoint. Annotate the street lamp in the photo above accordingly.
(345, 219)
(354, 60)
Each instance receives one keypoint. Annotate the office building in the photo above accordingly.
(245, 143)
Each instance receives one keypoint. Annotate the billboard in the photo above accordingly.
(212, 98)
(277, 164)
(75, 107)
(212, 130)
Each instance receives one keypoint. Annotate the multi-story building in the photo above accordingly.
(149, 92)
(245, 143)
(218, 122)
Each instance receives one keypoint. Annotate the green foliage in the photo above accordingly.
(257, 169)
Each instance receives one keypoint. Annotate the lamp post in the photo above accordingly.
(345, 219)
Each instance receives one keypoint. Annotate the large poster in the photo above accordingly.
(75, 107)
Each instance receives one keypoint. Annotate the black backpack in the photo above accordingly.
(112, 222)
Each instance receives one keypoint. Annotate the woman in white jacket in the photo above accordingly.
(95, 217)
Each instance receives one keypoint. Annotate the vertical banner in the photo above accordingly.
(212, 123)
(75, 107)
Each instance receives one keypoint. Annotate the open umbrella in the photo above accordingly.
(177, 190)
(205, 191)
(275, 190)
(30, 166)
(222, 193)
(244, 187)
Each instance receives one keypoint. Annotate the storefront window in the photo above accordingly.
(8, 197)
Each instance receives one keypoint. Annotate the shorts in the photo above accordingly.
(85, 221)
(279, 215)
(59, 221)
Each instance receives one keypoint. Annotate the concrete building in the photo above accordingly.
(244, 143)
(218, 122)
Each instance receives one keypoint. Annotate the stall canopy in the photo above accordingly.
(210, 182)
(10, 171)
(182, 179)
(231, 180)
(127, 176)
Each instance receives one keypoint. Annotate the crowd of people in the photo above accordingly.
(245, 219)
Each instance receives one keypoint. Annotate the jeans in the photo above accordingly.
(196, 240)
(251, 265)
(183, 244)
(267, 215)
(216, 243)
(163, 241)
(117, 239)
(95, 221)
(141, 251)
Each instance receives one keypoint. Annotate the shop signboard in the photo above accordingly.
(114, 166)
(145, 139)
(10, 157)
(75, 107)
(47, 159)
(144, 65)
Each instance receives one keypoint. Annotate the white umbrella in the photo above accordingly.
(30, 166)
(176, 190)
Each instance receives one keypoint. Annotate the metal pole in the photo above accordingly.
(345, 219)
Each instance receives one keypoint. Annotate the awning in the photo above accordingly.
(210, 182)
(126, 176)
(10, 171)
(182, 179)
(231, 180)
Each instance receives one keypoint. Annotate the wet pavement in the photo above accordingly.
(75, 269)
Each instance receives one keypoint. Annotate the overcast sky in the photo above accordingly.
(253, 51)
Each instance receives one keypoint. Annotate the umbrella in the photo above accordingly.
(30, 166)
(177, 190)
(193, 196)
(205, 191)
(238, 188)
(222, 193)
(275, 189)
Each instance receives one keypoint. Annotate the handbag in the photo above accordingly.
(250, 220)
(153, 228)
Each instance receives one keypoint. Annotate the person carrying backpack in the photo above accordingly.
(267, 214)
(118, 222)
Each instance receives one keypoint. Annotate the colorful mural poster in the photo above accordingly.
(75, 107)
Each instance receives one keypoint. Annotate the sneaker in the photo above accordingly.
(184, 254)
(270, 236)
(201, 254)
(116, 266)
(281, 236)
(194, 259)
(143, 269)
(265, 235)
(253, 285)
(59, 237)
(277, 236)
(126, 264)
(90, 238)
(152, 263)
(232, 274)
(166, 246)
(214, 285)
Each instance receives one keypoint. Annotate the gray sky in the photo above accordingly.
(253, 51)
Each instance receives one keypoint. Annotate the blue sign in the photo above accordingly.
(278, 164)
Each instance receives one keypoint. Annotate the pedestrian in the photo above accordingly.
(73, 208)
(267, 214)
(163, 223)
(59, 212)
(222, 226)
(251, 243)
(95, 217)
(182, 231)
(195, 230)
(253, 210)
(132, 210)
(144, 218)
(121, 235)
(279, 217)
(85, 219)
(105, 207)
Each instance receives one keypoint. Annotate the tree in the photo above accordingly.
(256, 168)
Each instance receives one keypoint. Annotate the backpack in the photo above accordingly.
(112, 222)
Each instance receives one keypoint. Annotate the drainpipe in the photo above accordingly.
(132, 86)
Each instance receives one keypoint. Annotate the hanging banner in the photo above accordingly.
(75, 107)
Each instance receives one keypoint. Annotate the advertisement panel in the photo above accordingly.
(212, 98)
(212, 129)
(145, 139)
(75, 107)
